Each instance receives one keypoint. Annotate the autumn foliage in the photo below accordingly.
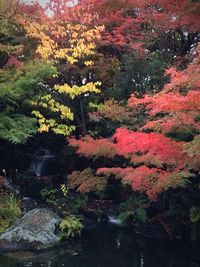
(119, 79)
(131, 23)
(163, 153)
(156, 162)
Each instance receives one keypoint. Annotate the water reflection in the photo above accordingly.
(110, 246)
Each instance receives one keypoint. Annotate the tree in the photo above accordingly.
(20, 77)
(70, 46)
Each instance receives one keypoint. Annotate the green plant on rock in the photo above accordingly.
(10, 210)
(71, 226)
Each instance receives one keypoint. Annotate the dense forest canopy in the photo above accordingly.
(118, 82)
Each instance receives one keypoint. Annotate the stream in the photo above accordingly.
(107, 246)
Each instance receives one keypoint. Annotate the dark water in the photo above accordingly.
(111, 247)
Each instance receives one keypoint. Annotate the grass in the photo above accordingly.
(10, 210)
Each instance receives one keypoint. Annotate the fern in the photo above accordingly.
(70, 227)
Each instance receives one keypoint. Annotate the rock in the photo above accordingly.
(29, 204)
(34, 231)
(5, 186)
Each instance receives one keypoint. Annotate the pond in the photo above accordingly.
(108, 246)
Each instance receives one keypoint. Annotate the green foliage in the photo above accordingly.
(25, 80)
(17, 128)
(180, 179)
(193, 148)
(10, 210)
(64, 189)
(181, 133)
(74, 203)
(65, 202)
(70, 227)
(18, 89)
(49, 195)
(139, 76)
(134, 210)
(197, 118)
(109, 116)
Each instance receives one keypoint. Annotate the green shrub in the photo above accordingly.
(71, 227)
(74, 203)
(49, 195)
(10, 210)
(65, 203)
(134, 210)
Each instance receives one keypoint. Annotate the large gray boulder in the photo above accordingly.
(34, 231)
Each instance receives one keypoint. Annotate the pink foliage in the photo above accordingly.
(156, 145)
(14, 62)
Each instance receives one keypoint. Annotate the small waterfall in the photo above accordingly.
(44, 164)
(37, 165)
(114, 220)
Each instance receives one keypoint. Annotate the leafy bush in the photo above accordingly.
(10, 210)
(70, 227)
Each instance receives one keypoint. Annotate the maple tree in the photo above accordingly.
(158, 162)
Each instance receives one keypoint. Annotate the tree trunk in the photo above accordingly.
(82, 116)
